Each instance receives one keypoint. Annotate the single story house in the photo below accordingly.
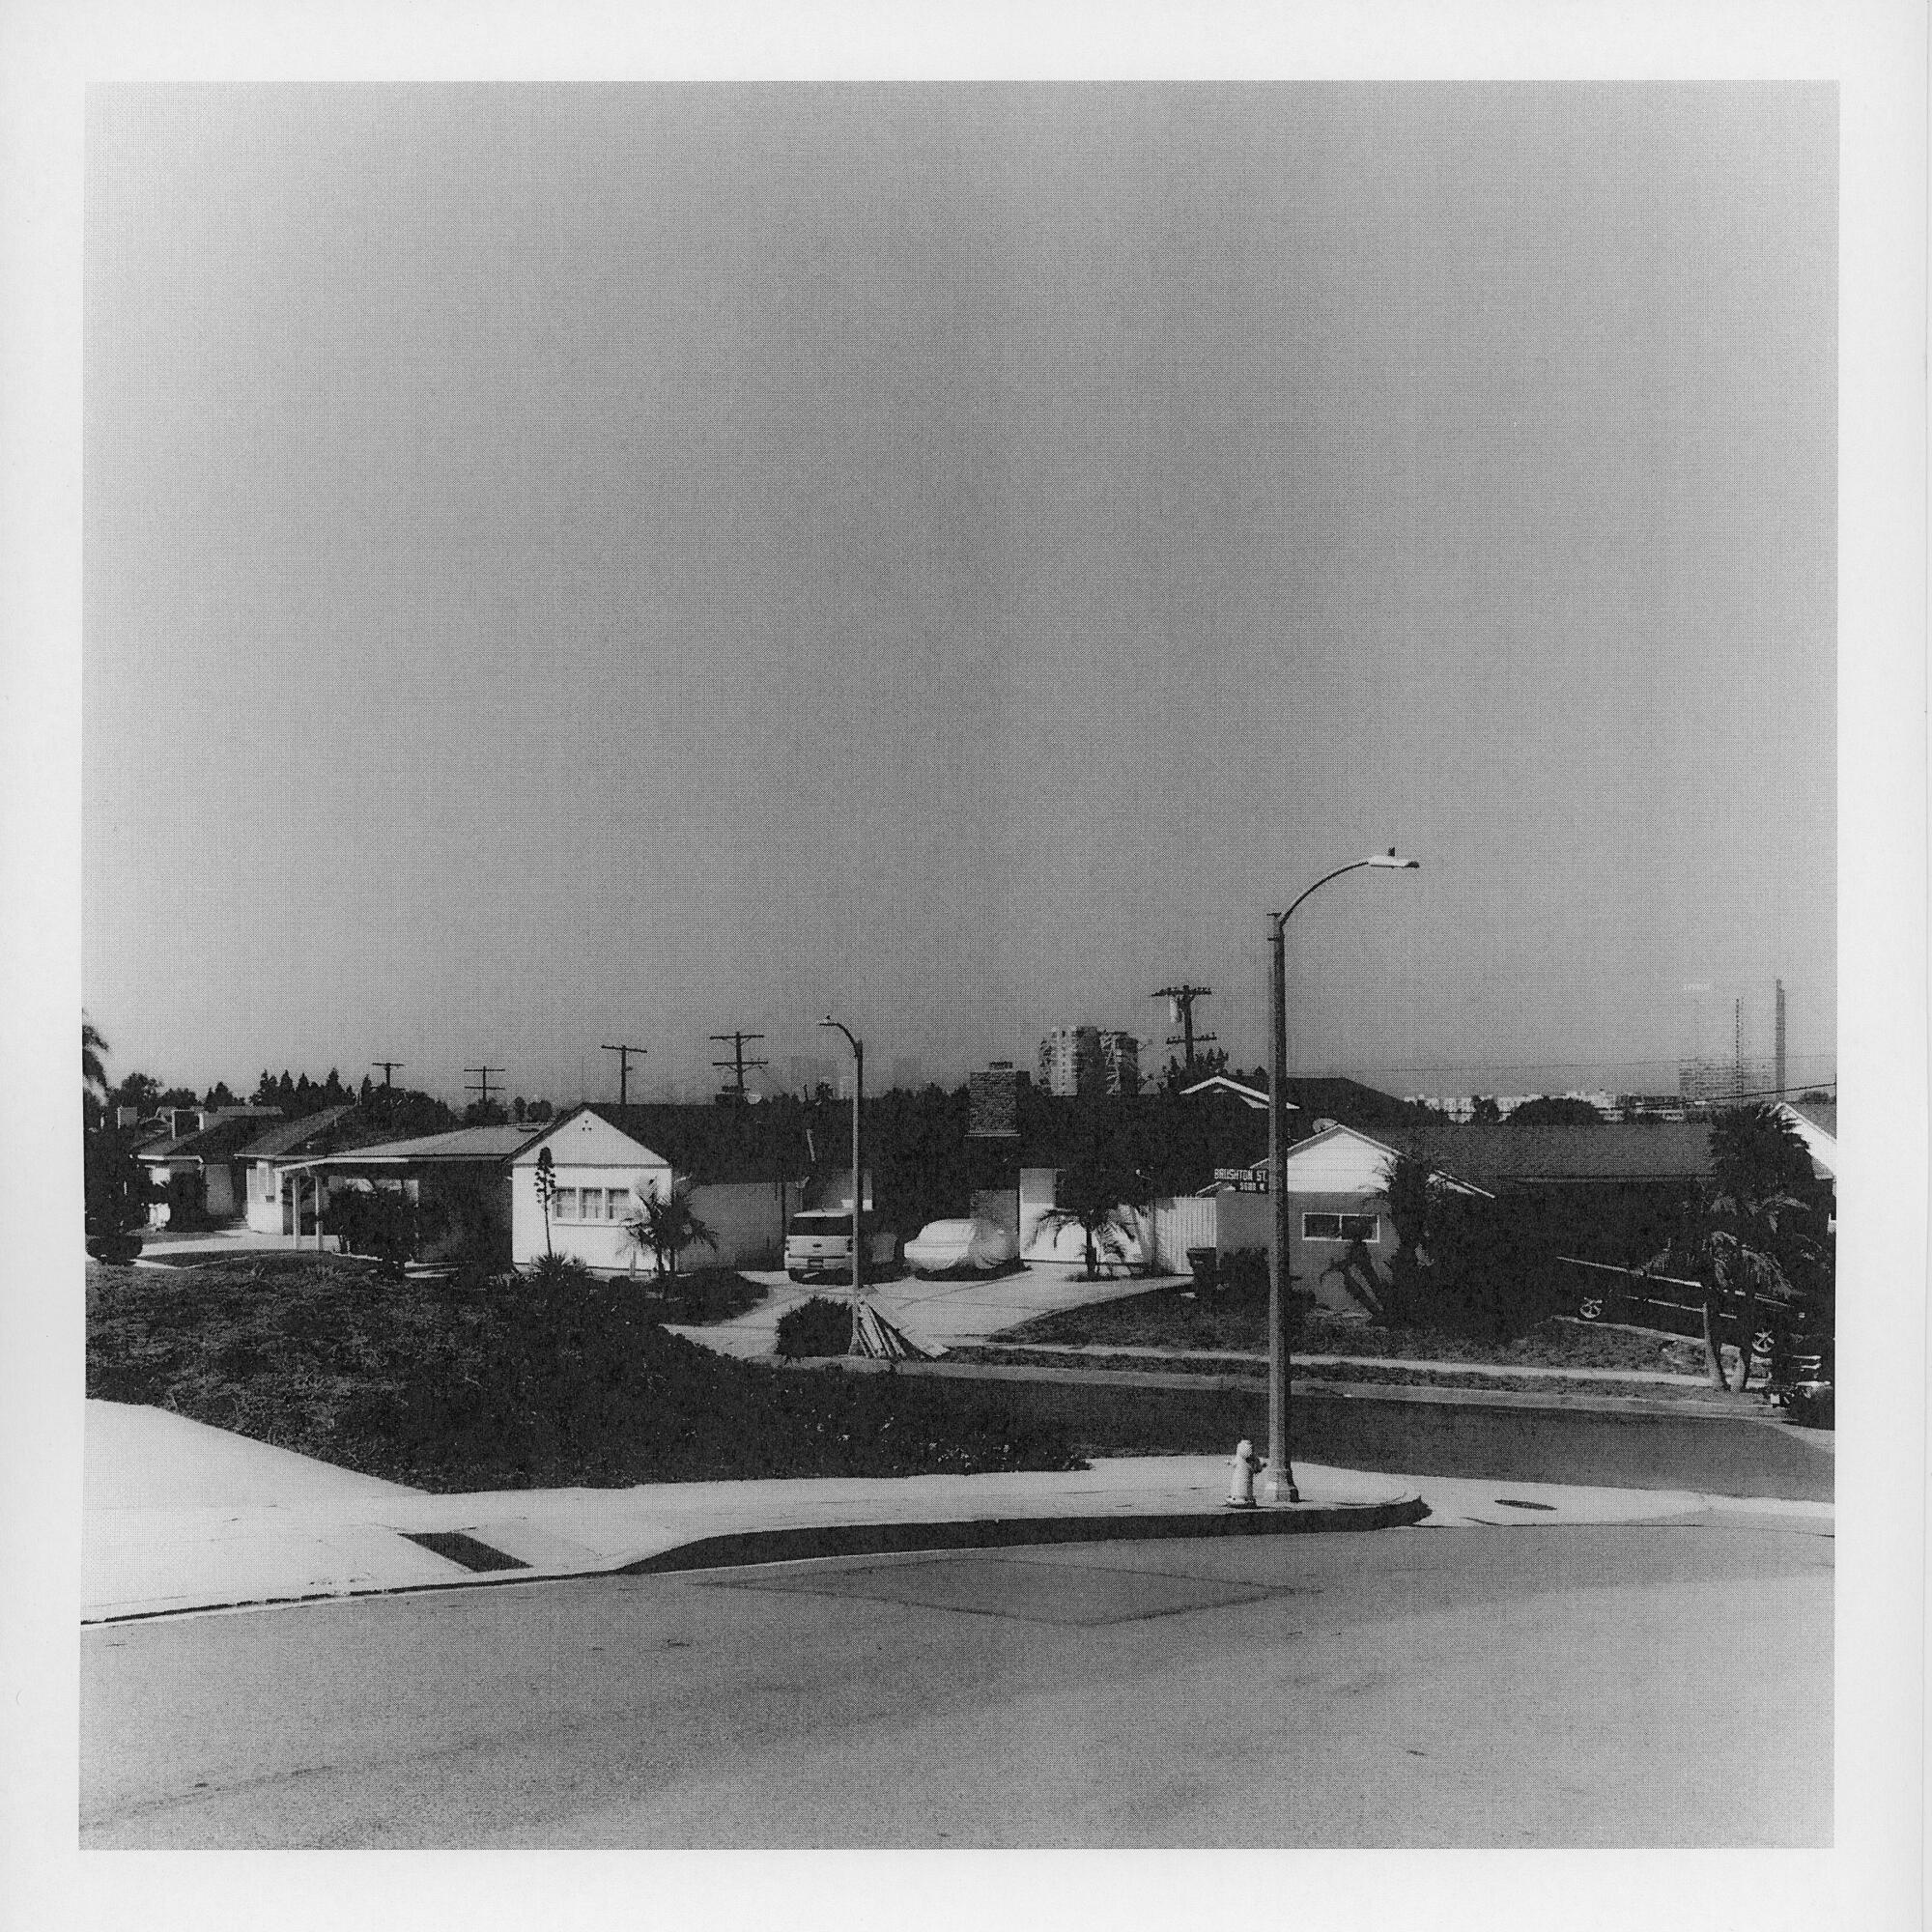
(199, 1169)
(464, 1172)
(268, 1206)
(751, 1167)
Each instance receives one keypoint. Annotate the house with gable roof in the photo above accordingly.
(751, 1166)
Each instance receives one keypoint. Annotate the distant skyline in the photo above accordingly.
(507, 509)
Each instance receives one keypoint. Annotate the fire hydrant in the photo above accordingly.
(1246, 1464)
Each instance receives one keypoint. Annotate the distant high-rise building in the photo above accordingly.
(1088, 1060)
(1730, 1052)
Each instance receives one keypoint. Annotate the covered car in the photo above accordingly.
(943, 1247)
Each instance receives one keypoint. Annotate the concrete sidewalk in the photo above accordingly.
(936, 1314)
(181, 1518)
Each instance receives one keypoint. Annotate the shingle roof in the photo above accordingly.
(716, 1145)
(1649, 1150)
(1821, 1113)
(219, 1141)
(482, 1144)
(286, 1136)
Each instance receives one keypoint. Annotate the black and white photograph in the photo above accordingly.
(961, 960)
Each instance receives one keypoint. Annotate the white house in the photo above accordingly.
(607, 1160)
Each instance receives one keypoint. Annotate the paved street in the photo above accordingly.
(1642, 1686)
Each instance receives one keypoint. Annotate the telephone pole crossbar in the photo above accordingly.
(389, 1067)
(481, 1089)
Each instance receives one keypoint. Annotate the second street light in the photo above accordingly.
(1277, 1483)
(858, 1181)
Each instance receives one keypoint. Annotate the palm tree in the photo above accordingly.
(1100, 1199)
(666, 1225)
(1744, 1239)
(93, 1059)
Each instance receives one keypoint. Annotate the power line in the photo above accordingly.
(1540, 1066)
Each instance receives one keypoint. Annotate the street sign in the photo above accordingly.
(1243, 1179)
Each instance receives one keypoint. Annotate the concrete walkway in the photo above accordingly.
(180, 1517)
(937, 1315)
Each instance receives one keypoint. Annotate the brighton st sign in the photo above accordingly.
(1243, 1179)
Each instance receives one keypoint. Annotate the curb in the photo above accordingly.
(890, 1539)
(742, 1548)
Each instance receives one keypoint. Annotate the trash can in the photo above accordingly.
(1201, 1264)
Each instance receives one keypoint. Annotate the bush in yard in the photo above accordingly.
(816, 1328)
(706, 1295)
(554, 1273)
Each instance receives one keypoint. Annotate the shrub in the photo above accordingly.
(552, 1273)
(816, 1328)
(706, 1295)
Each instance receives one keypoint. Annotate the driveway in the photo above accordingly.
(936, 1314)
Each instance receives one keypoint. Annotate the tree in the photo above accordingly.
(666, 1224)
(1746, 1238)
(93, 1052)
(1549, 1110)
(218, 1095)
(545, 1191)
(1098, 1196)
(1410, 1189)
(541, 1111)
(141, 1091)
(1485, 1113)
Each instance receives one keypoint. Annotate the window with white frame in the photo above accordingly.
(591, 1203)
(1365, 1228)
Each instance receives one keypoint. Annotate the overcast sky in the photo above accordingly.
(569, 565)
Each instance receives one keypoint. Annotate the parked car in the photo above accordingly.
(818, 1245)
(968, 1246)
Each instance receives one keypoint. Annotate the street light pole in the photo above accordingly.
(858, 1177)
(1277, 1483)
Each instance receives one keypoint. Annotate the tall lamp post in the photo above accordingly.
(858, 1177)
(1277, 1484)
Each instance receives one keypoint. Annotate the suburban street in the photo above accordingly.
(1661, 1685)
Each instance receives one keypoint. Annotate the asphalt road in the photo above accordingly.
(1651, 1685)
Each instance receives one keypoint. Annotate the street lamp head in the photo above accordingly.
(1391, 863)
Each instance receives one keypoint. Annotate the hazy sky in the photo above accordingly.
(577, 564)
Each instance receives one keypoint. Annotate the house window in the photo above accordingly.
(1366, 1227)
(566, 1205)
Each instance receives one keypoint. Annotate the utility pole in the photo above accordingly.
(737, 1063)
(1181, 1001)
(624, 1054)
(388, 1067)
(482, 1088)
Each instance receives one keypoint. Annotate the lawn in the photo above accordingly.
(1177, 1322)
(455, 1386)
